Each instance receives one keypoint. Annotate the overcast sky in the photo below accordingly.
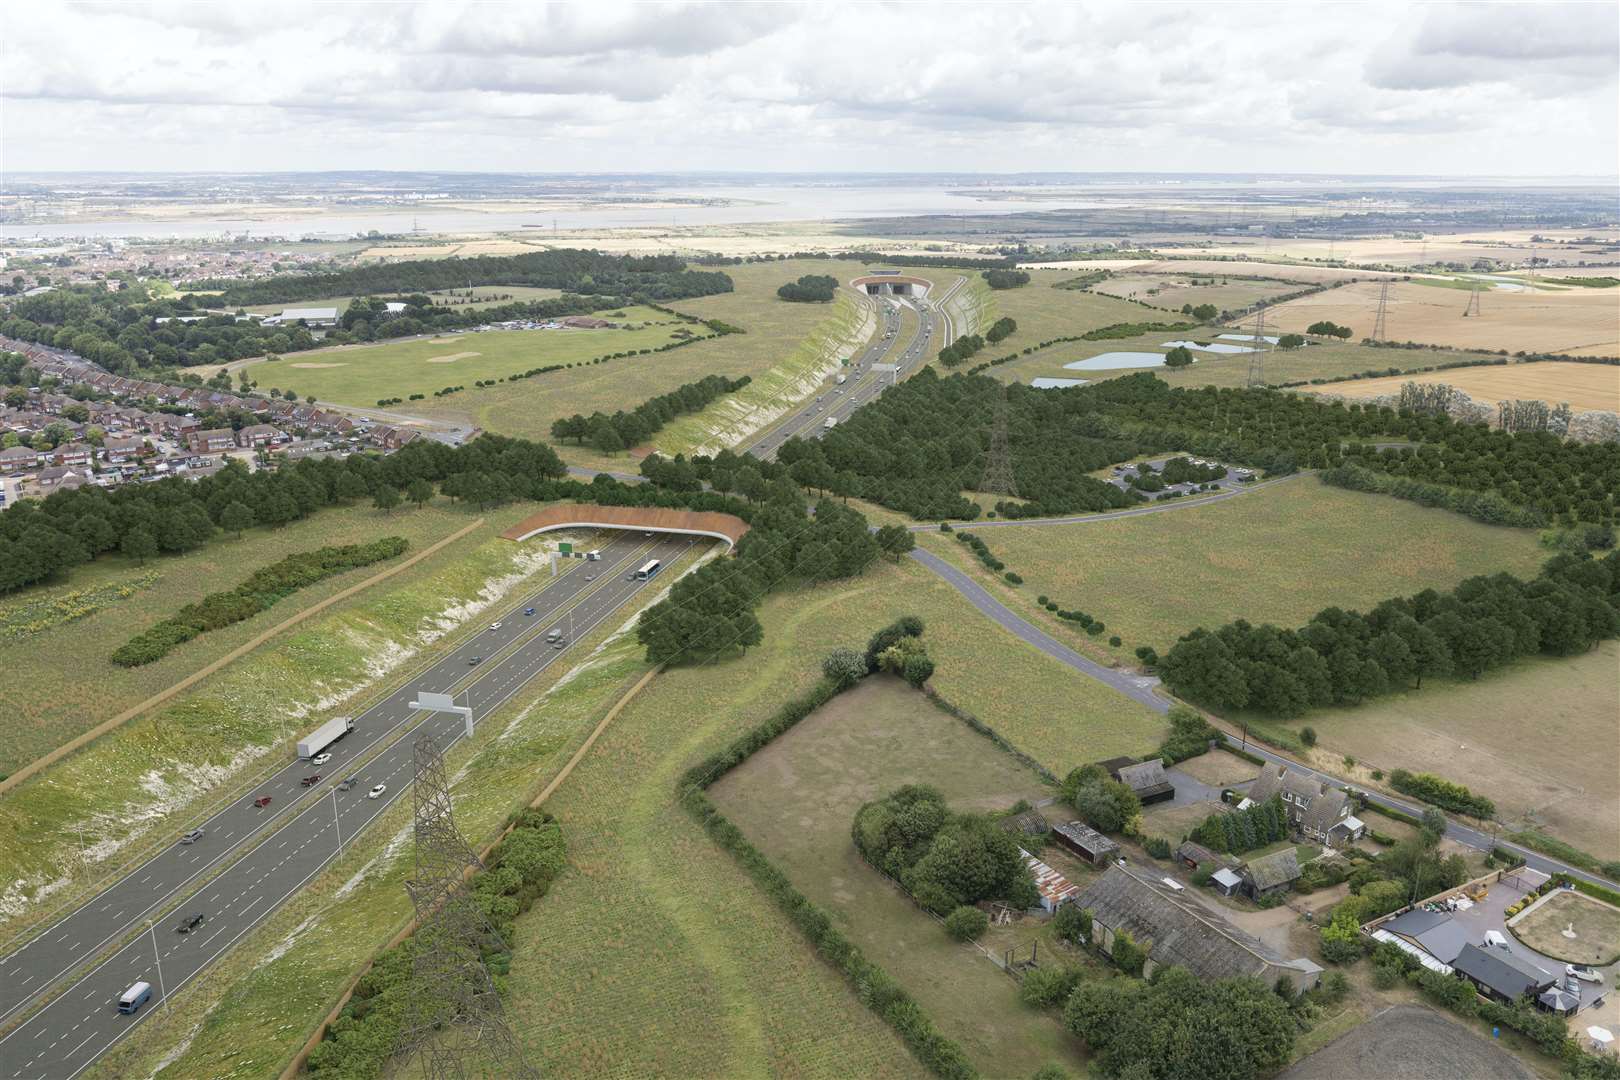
(1485, 89)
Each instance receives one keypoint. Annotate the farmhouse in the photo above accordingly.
(1500, 975)
(1317, 811)
(1085, 842)
(1270, 874)
(1146, 778)
(1178, 930)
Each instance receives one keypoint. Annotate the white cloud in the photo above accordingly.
(1336, 88)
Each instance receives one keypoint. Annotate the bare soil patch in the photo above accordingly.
(451, 358)
(1597, 929)
(1586, 387)
(1409, 1042)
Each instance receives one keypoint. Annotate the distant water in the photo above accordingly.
(1112, 361)
(1045, 383)
(1214, 346)
(749, 205)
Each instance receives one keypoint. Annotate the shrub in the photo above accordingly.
(966, 923)
(1047, 986)
(1157, 846)
(1307, 735)
(1072, 923)
(1115, 641)
(1442, 793)
(1013, 578)
(843, 667)
(1385, 978)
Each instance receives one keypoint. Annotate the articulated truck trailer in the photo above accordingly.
(324, 736)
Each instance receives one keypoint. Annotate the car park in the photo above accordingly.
(192, 837)
(320, 759)
(376, 792)
(189, 923)
(310, 781)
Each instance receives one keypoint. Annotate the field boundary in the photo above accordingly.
(113, 723)
(296, 1065)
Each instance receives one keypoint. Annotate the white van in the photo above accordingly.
(1495, 937)
(135, 997)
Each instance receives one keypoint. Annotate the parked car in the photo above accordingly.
(320, 759)
(189, 923)
(376, 792)
(192, 837)
(310, 781)
(1572, 984)
(1583, 973)
(262, 801)
(1496, 938)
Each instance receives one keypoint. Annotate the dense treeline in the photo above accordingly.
(1442, 793)
(960, 349)
(610, 434)
(921, 444)
(654, 277)
(263, 588)
(518, 872)
(41, 540)
(1486, 506)
(943, 859)
(1343, 657)
(1001, 329)
(810, 289)
(710, 612)
(1005, 279)
(1237, 831)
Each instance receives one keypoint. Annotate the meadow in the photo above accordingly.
(1584, 386)
(479, 297)
(1580, 322)
(62, 636)
(1043, 312)
(795, 800)
(1173, 290)
(654, 954)
(359, 375)
(1277, 554)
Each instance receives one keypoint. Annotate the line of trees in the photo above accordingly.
(1237, 831)
(262, 589)
(1005, 279)
(810, 289)
(1329, 329)
(611, 434)
(1343, 657)
(1001, 329)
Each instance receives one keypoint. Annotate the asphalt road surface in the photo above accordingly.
(839, 403)
(83, 1021)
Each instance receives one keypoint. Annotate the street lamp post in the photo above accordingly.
(163, 998)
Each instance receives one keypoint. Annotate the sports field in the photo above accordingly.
(360, 375)
(795, 800)
(1584, 386)
(1277, 554)
(1580, 322)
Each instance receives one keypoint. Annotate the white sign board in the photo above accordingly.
(425, 700)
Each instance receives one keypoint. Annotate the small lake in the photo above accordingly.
(1044, 383)
(1214, 346)
(1110, 361)
(1245, 337)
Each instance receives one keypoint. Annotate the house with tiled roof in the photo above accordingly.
(1315, 809)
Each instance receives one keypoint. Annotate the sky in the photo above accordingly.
(1497, 89)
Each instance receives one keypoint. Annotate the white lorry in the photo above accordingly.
(842, 378)
(324, 736)
(830, 423)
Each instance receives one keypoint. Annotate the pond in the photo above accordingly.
(1044, 383)
(1112, 360)
(1245, 337)
(1214, 346)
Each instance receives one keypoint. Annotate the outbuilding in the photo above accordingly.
(1086, 843)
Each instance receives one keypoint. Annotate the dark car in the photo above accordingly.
(310, 781)
(528, 611)
(474, 661)
(189, 923)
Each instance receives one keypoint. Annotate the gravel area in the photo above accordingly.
(1409, 1042)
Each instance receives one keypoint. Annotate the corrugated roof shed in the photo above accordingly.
(1271, 871)
(1053, 886)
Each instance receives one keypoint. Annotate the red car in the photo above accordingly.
(310, 781)
(262, 801)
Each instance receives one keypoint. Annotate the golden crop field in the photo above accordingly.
(1585, 387)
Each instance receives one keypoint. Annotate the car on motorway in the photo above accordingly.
(496, 625)
(474, 661)
(528, 611)
(320, 759)
(347, 782)
(192, 837)
(310, 781)
(1583, 973)
(189, 923)
(647, 535)
(376, 792)
(262, 801)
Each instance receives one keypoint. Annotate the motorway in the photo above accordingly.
(82, 1022)
(865, 382)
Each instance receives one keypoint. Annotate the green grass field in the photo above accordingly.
(72, 686)
(360, 375)
(776, 331)
(1043, 312)
(658, 933)
(796, 798)
(1334, 361)
(482, 296)
(1278, 554)
(1173, 290)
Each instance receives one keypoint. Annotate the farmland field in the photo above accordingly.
(1580, 322)
(655, 932)
(72, 685)
(1277, 554)
(1560, 780)
(1584, 386)
(795, 800)
(359, 375)
(1043, 312)
(1173, 290)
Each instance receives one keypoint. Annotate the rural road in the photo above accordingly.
(254, 873)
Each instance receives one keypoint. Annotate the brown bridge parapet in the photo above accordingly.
(727, 527)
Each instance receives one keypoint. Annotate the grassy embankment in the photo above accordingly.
(63, 635)
(253, 1010)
